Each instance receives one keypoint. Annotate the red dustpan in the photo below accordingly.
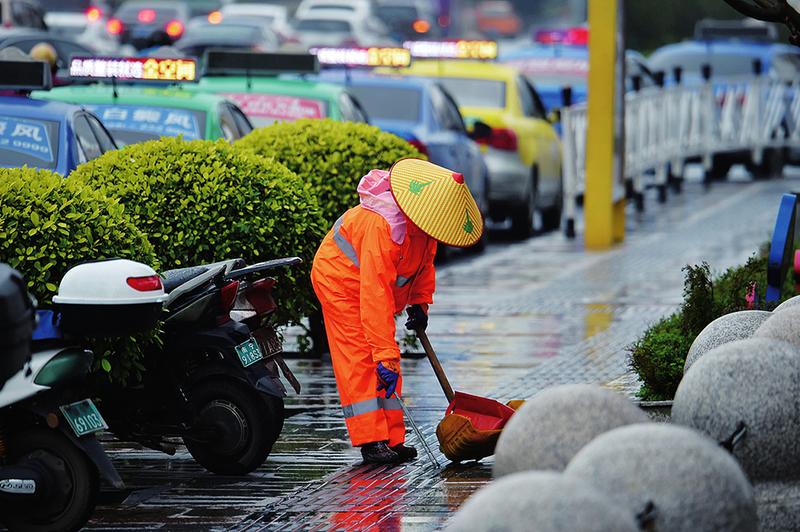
(471, 424)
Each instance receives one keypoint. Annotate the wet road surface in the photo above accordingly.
(505, 324)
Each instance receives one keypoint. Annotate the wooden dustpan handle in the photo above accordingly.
(437, 367)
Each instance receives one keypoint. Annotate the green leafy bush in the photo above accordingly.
(48, 224)
(332, 156)
(205, 201)
(659, 356)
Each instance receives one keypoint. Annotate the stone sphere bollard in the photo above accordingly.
(783, 325)
(543, 501)
(755, 382)
(556, 423)
(695, 484)
(789, 303)
(727, 328)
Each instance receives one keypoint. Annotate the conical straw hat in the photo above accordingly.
(437, 200)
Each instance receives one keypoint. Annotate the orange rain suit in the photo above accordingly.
(363, 278)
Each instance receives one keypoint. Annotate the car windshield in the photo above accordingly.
(393, 14)
(476, 92)
(323, 25)
(722, 64)
(28, 142)
(388, 103)
(222, 32)
(129, 124)
(72, 6)
(265, 109)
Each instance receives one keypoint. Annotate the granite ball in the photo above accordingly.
(695, 484)
(727, 328)
(556, 423)
(789, 303)
(543, 501)
(755, 382)
(783, 325)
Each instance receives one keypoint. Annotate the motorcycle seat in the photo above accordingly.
(172, 279)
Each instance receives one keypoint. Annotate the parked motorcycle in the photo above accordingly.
(215, 382)
(50, 461)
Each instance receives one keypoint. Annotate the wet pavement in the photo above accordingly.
(505, 324)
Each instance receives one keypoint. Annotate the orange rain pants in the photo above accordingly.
(363, 278)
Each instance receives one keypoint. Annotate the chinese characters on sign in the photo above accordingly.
(365, 57)
(263, 109)
(28, 137)
(461, 49)
(136, 68)
(152, 120)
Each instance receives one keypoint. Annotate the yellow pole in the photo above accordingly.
(605, 220)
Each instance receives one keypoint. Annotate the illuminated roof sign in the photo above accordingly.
(364, 57)
(134, 68)
(460, 49)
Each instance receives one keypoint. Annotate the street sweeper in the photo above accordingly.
(376, 261)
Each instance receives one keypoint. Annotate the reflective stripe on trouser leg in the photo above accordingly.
(355, 375)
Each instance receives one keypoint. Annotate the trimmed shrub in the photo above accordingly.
(205, 201)
(332, 156)
(658, 357)
(48, 224)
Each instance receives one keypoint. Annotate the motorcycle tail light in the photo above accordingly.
(259, 295)
(145, 284)
(227, 295)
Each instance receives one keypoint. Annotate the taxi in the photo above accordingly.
(48, 135)
(252, 81)
(137, 113)
(507, 116)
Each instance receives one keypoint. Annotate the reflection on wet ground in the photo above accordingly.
(506, 324)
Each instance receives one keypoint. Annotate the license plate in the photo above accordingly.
(249, 352)
(83, 417)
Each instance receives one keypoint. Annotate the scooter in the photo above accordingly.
(215, 383)
(50, 461)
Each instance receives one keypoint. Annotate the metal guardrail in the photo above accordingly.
(666, 127)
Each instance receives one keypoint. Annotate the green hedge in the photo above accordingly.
(205, 201)
(48, 224)
(332, 156)
(659, 356)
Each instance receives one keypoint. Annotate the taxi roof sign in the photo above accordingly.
(456, 49)
(25, 75)
(167, 69)
(364, 57)
(225, 63)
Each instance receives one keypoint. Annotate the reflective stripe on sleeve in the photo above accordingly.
(342, 243)
(402, 281)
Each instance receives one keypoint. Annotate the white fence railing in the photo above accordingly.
(666, 127)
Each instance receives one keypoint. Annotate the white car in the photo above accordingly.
(332, 27)
(274, 17)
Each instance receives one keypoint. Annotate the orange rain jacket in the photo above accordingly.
(363, 278)
(359, 262)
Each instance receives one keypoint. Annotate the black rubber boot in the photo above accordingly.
(405, 453)
(378, 453)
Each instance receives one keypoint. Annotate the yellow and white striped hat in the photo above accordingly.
(437, 201)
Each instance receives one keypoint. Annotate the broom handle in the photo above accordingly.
(437, 367)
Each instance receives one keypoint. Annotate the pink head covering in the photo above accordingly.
(376, 196)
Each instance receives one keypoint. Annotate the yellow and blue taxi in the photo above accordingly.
(506, 115)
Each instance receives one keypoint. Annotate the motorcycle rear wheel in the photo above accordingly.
(246, 424)
(78, 477)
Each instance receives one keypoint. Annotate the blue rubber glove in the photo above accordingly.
(417, 319)
(387, 379)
